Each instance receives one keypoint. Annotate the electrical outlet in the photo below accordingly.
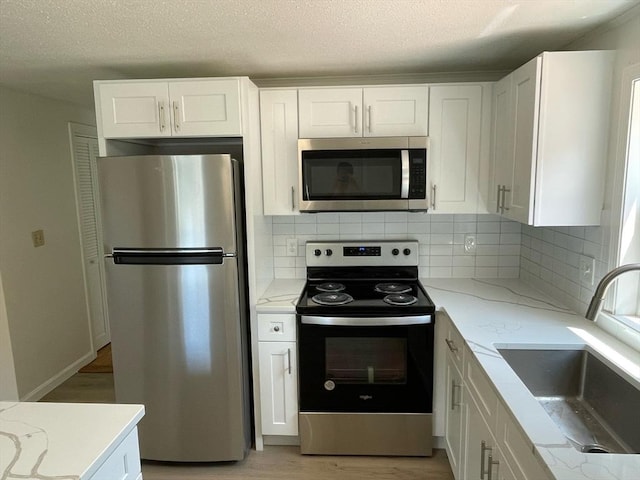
(292, 247)
(469, 243)
(37, 237)
(587, 270)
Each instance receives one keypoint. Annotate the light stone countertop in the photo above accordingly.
(281, 296)
(69, 441)
(496, 313)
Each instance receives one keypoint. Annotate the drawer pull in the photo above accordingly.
(483, 450)
(451, 345)
(454, 404)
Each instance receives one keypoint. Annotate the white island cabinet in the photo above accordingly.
(192, 107)
(381, 111)
(550, 139)
(70, 440)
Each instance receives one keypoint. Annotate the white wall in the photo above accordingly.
(43, 287)
(8, 385)
(550, 255)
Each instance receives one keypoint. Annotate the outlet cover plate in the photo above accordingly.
(587, 268)
(292, 247)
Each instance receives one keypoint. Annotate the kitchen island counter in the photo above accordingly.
(70, 441)
(506, 313)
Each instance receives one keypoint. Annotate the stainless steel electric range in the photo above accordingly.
(365, 351)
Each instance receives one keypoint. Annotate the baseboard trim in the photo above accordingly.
(58, 379)
(281, 440)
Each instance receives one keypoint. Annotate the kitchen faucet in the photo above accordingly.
(601, 289)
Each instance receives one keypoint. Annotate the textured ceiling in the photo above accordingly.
(57, 47)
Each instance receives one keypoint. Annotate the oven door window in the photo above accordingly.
(352, 174)
(366, 360)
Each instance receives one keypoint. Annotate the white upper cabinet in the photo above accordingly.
(161, 108)
(387, 111)
(458, 157)
(279, 137)
(550, 139)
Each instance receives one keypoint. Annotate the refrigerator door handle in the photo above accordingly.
(169, 256)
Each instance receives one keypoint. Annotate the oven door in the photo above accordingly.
(365, 368)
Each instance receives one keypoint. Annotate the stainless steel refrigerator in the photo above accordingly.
(176, 289)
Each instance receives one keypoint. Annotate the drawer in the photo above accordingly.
(276, 327)
(479, 386)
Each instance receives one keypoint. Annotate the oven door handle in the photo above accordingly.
(365, 321)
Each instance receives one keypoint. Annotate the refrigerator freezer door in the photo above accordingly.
(178, 201)
(179, 347)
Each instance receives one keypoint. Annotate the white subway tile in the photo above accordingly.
(508, 272)
(283, 228)
(488, 238)
(284, 261)
(441, 261)
(509, 249)
(488, 227)
(395, 228)
(440, 272)
(349, 228)
(487, 272)
(488, 250)
(487, 261)
(279, 251)
(465, 218)
(305, 228)
(283, 219)
(510, 238)
(591, 249)
(418, 227)
(372, 228)
(328, 218)
(373, 217)
(489, 217)
(285, 272)
(418, 217)
(350, 218)
(464, 261)
(464, 227)
(440, 228)
(593, 234)
(509, 261)
(509, 227)
(463, 272)
(441, 239)
(441, 217)
(328, 228)
(441, 250)
(395, 217)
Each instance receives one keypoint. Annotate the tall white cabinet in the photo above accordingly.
(279, 139)
(550, 139)
(458, 156)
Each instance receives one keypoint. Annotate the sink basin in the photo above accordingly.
(594, 407)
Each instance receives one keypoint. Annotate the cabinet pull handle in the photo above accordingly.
(355, 128)
(483, 450)
(293, 199)
(369, 117)
(498, 199)
(433, 196)
(454, 404)
(451, 344)
(176, 114)
(490, 467)
(505, 190)
(289, 360)
(161, 114)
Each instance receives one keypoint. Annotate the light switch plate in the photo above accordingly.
(587, 270)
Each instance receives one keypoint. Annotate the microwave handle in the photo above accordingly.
(404, 158)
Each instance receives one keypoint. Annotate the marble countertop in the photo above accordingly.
(281, 296)
(493, 313)
(61, 440)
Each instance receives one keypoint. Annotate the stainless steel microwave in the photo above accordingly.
(363, 174)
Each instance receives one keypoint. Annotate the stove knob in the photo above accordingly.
(317, 252)
(328, 252)
(407, 251)
(395, 251)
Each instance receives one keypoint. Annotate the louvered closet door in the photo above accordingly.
(85, 151)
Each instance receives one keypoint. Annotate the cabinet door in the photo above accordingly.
(330, 112)
(455, 126)
(454, 419)
(483, 458)
(279, 137)
(134, 109)
(278, 388)
(123, 463)
(396, 111)
(205, 107)
(502, 143)
(525, 98)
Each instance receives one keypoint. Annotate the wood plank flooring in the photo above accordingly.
(274, 463)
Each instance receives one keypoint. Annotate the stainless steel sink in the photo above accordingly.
(596, 408)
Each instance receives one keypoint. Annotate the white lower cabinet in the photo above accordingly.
(278, 374)
(481, 439)
(123, 463)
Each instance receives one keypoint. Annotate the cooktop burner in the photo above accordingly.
(392, 288)
(332, 298)
(400, 299)
(330, 287)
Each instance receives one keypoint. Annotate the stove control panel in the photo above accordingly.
(362, 253)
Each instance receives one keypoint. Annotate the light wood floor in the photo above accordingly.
(274, 463)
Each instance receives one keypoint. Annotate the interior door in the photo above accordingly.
(85, 150)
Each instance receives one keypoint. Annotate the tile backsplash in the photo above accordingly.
(551, 259)
(441, 237)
